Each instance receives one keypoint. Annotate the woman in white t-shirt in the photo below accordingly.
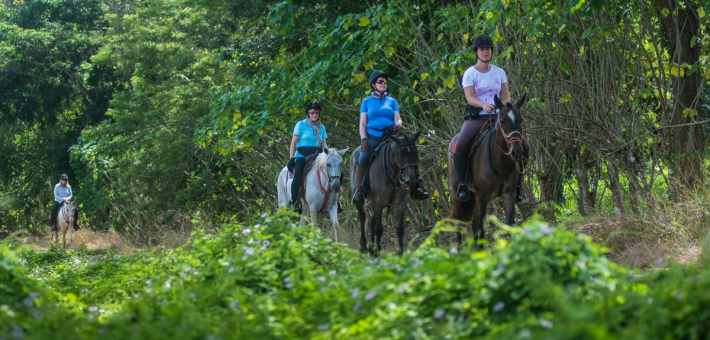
(481, 83)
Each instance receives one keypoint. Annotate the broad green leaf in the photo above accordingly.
(364, 21)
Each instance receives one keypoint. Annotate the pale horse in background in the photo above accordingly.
(321, 187)
(65, 222)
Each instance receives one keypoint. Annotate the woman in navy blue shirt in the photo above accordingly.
(309, 137)
(377, 112)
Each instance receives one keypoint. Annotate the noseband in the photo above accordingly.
(509, 138)
(397, 168)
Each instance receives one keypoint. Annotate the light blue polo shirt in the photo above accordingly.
(380, 113)
(307, 137)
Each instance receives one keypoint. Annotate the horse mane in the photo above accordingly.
(320, 160)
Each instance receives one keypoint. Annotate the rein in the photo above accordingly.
(509, 139)
(326, 192)
(64, 213)
(398, 169)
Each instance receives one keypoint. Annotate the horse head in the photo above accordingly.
(510, 122)
(332, 163)
(407, 157)
(69, 209)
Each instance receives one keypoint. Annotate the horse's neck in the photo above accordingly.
(319, 176)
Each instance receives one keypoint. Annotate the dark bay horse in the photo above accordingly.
(493, 170)
(391, 173)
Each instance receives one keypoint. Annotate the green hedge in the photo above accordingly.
(273, 280)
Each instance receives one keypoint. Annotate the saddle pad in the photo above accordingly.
(479, 138)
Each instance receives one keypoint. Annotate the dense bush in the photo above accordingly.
(273, 280)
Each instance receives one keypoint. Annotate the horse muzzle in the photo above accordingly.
(516, 153)
(335, 184)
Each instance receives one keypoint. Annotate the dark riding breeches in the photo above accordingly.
(469, 131)
(55, 212)
(298, 172)
(364, 159)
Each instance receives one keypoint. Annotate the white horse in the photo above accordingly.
(321, 186)
(65, 222)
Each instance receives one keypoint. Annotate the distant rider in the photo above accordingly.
(481, 83)
(378, 112)
(63, 194)
(309, 137)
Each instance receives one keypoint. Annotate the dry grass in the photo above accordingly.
(671, 232)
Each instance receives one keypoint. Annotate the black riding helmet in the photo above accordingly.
(64, 176)
(312, 105)
(482, 41)
(373, 78)
(377, 74)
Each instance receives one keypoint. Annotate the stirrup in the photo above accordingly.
(357, 197)
(297, 207)
(463, 193)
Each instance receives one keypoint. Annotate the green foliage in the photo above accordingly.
(273, 280)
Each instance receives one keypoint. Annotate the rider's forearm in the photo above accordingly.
(363, 129)
(475, 102)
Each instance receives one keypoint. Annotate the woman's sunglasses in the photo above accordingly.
(382, 81)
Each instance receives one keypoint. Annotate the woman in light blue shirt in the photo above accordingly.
(309, 137)
(378, 112)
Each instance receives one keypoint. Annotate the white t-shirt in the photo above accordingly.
(485, 85)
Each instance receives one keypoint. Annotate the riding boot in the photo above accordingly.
(461, 167)
(340, 209)
(54, 226)
(297, 207)
(359, 175)
(418, 192)
(519, 189)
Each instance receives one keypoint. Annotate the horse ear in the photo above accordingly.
(415, 137)
(521, 101)
(343, 151)
(499, 103)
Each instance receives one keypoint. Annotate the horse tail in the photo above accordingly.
(282, 188)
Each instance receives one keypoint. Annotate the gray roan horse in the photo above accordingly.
(65, 222)
(321, 187)
(493, 169)
(392, 171)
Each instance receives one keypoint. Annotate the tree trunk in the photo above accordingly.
(615, 186)
(680, 25)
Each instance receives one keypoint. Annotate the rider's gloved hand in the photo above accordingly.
(291, 164)
(364, 146)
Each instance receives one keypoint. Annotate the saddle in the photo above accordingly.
(386, 136)
(485, 130)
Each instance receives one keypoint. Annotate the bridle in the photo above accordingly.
(64, 213)
(397, 168)
(510, 138)
(329, 191)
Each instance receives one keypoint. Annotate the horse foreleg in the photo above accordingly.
(376, 229)
(314, 217)
(71, 232)
(303, 220)
(64, 238)
(333, 210)
(477, 222)
(401, 208)
(363, 238)
(509, 199)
